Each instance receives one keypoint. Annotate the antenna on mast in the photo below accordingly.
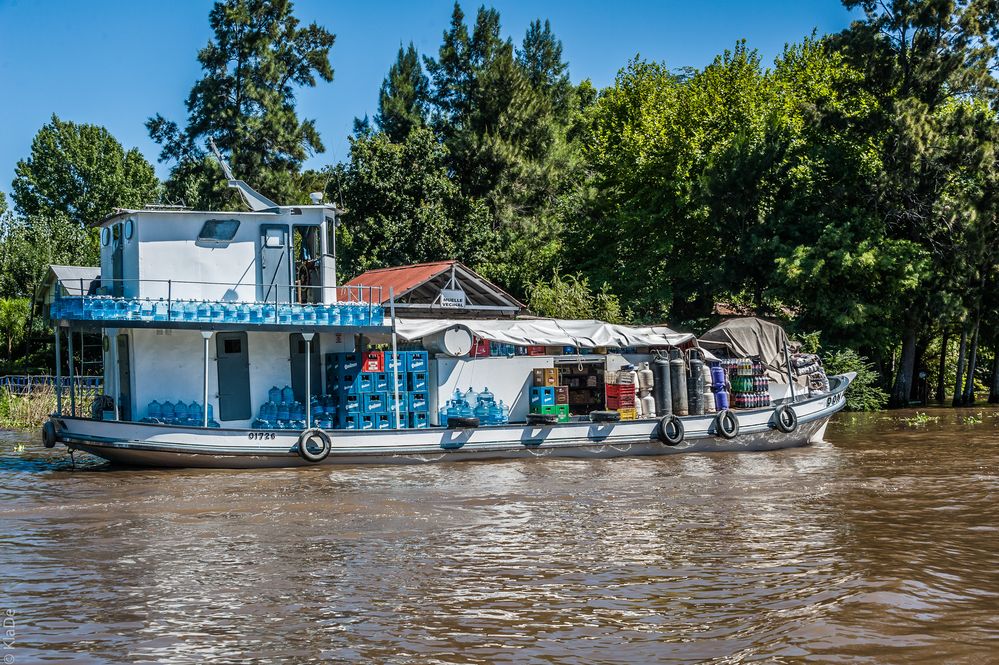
(257, 201)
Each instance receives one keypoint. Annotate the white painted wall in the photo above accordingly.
(509, 379)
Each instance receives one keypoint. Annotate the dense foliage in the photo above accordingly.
(849, 187)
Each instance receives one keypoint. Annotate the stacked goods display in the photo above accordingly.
(486, 409)
(810, 365)
(621, 389)
(585, 387)
(720, 386)
(546, 397)
(366, 399)
(179, 413)
(749, 382)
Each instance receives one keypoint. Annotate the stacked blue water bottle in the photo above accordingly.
(486, 409)
(179, 413)
(362, 384)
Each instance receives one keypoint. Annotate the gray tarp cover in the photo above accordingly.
(548, 332)
(749, 337)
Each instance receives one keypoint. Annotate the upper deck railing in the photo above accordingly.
(353, 306)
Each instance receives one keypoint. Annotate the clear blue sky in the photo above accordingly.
(115, 63)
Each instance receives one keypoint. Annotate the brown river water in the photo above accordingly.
(880, 545)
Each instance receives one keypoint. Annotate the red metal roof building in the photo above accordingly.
(440, 289)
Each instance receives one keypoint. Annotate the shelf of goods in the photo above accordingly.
(362, 393)
(584, 385)
(547, 397)
(106, 308)
(749, 383)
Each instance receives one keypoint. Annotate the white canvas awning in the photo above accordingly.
(585, 334)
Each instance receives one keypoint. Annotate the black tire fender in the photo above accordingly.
(49, 436)
(311, 436)
(670, 430)
(542, 419)
(460, 422)
(785, 419)
(727, 424)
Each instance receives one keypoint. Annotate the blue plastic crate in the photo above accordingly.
(403, 420)
(395, 361)
(374, 403)
(356, 384)
(349, 421)
(417, 361)
(350, 403)
(349, 362)
(381, 381)
(417, 382)
(418, 402)
(419, 420)
(542, 396)
(382, 421)
(366, 421)
(403, 400)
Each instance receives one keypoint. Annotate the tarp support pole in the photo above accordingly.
(790, 375)
(58, 369)
(207, 335)
(307, 336)
(395, 357)
(72, 383)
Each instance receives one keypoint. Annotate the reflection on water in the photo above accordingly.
(877, 546)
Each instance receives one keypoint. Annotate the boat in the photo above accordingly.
(201, 316)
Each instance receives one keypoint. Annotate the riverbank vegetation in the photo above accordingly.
(850, 186)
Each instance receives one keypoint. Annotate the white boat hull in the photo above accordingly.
(140, 444)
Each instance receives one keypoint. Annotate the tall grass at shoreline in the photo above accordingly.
(31, 409)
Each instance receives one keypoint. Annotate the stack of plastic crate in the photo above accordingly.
(548, 398)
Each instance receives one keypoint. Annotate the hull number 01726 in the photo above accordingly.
(260, 436)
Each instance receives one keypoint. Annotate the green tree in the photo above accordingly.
(404, 96)
(13, 322)
(401, 203)
(80, 172)
(246, 103)
(570, 297)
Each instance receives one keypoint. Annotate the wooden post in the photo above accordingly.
(58, 369)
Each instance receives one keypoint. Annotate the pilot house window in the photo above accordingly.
(218, 230)
(307, 254)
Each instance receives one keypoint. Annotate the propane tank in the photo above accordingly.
(648, 405)
(678, 382)
(695, 382)
(717, 377)
(721, 400)
(707, 379)
(645, 377)
(661, 387)
(709, 401)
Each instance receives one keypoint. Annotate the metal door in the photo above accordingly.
(234, 376)
(117, 261)
(124, 379)
(275, 276)
(297, 343)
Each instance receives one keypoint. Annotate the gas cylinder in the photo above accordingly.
(648, 406)
(709, 401)
(695, 382)
(717, 377)
(646, 379)
(678, 382)
(707, 380)
(661, 387)
(721, 400)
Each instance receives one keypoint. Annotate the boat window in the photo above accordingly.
(307, 252)
(231, 345)
(274, 238)
(330, 235)
(218, 230)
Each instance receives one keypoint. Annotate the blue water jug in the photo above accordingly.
(495, 416)
(377, 315)
(195, 413)
(486, 396)
(267, 313)
(287, 394)
(218, 312)
(160, 310)
(296, 313)
(146, 310)
(204, 311)
(297, 411)
(284, 313)
(481, 412)
(180, 410)
(274, 394)
(309, 315)
(167, 410)
(282, 411)
(505, 413)
(333, 315)
(153, 410)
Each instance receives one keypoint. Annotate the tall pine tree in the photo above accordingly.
(246, 103)
(403, 99)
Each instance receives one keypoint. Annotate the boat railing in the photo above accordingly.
(26, 384)
(101, 300)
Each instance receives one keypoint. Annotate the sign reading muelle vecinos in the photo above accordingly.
(453, 298)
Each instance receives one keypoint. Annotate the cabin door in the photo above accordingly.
(298, 367)
(234, 376)
(124, 379)
(275, 276)
(117, 262)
